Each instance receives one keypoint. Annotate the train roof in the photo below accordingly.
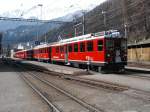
(41, 46)
(21, 51)
(145, 43)
(91, 36)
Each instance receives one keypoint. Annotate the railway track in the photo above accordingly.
(87, 106)
(52, 107)
(99, 83)
(137, 94)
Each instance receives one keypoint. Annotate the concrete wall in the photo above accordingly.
(139, 54)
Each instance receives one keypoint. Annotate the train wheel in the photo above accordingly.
(121, 71)
(104, 70)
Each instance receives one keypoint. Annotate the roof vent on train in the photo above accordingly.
(112, 34)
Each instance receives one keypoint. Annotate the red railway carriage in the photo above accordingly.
(21, 54)
(79, 50)
(103, 49)
(29, 54)
(41, 53)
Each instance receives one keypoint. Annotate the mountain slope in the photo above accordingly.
(133, 13)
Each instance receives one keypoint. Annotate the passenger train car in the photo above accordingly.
(103, 50)
(21, 54)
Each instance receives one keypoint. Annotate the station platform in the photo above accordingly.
(73, 71)
(139, 64)
(131, 68)
(16, 95)
(56, 68)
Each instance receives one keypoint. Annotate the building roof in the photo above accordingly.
(141, 43)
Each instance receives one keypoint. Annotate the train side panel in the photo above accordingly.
(85, 51)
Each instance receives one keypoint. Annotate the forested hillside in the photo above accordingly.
(135, 14)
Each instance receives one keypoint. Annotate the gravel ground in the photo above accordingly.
(133, 82)
(64, 103)
(15, 95)
(106, 100)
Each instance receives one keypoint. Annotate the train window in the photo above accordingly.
(75, 47)
(123, 44)
(61, 49)
(90, 46)
(82, 47)
(70, 48)
(45, 50)
(109, 43)
(57, 49)
(100, 45)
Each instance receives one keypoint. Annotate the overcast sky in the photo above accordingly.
(51, 8)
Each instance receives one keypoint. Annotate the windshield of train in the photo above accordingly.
(116, 43)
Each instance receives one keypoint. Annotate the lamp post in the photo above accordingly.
(37, 39)
(125, 26)
(41, 5)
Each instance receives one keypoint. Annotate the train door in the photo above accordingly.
(117, 50)
(66, 54)
(113, 50)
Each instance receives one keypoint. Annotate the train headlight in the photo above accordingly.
(108, 55)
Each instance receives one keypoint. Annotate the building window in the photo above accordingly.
(82, 47)
(90, 46)
(100, 45)
(70, 48)
(75, 47)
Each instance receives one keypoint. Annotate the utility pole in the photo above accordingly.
(105, 25)
(75, 31)
(75, 28)
(79, 24)
(83, 24)
(45, 39)
(1, 35)
(125, 18)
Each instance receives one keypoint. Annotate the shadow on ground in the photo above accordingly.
(6, 66)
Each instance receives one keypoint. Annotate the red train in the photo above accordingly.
(103, 50)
